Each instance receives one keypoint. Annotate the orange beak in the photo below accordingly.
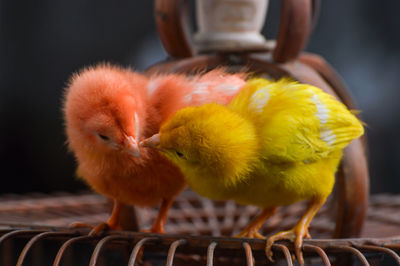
(151, 142)
(131, 146)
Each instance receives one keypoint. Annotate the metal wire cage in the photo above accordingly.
(197, 234)
(34, 228)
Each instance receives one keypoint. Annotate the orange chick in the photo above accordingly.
(109, 110)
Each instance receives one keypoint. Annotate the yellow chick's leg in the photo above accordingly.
(298, 232)
(111, 224)
(158, 226)
(251, 231)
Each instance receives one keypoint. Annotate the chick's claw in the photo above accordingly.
(101, 228)
(307, 236)
(250, 234)
(295, 235)
(96, 230)
(158, 226)
(154, 230)
(80, 225)
(251, 231)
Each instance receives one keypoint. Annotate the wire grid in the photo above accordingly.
(190, 214)
(44, 239)
(58, 246)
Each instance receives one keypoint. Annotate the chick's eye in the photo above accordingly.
(105, 138)
(179, 154)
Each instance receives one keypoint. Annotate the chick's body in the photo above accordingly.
(276, 143)
(293, 134)
(109, 109)
(273, 185)
(115, 177)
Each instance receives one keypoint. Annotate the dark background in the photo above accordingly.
(43, 42)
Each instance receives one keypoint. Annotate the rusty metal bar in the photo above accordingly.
(172, 249)
(5, 230)
(210, 253)
(286, 253)
(386, 250)
(353, 251)
(18, 233)
(101, 244)
(319, 251)
(137, 248)
(249, 254)
(392, 246)
(35, 239)
(66, 245)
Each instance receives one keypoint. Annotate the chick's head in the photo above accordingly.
(103, 111)
(209, 141)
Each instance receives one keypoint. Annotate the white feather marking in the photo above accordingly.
(332, 141)
(152, 86)
(228, 89)
(137, 129)
(259, 99)
(204, 89)
(199, 89)
(322, 111)
(328, 136)
(323, 117)
(187, 98)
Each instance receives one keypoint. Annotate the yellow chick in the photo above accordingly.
(275, 144)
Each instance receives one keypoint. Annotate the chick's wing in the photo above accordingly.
(296, 122)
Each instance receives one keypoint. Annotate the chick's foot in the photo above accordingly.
(296, 235)
(99, 229)
(153, 230)
(251, 231)
(250, 234)
(96, 230)
(111, 224)
(158, 226)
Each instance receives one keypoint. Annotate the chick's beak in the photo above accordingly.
(131, 146)
(151, 142)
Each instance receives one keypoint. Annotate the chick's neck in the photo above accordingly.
(235, 150)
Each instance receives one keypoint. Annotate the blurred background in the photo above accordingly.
(43, 42)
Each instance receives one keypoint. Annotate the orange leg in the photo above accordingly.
(298, 232)
(111, 224)
(251, 231)
(158, 226)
